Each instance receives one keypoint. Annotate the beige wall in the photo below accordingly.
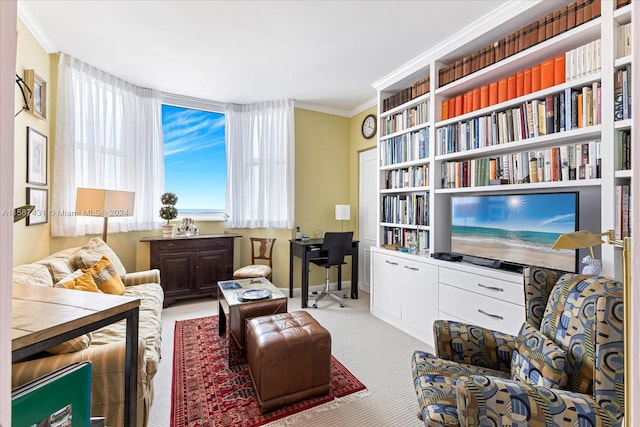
(326, 156)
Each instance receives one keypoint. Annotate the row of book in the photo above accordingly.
(572, 108)
(406, 119)
(623, 40)
(409, 177)
(409, 209)
(623, 146)
(405, 148)
(621, 3)
(576, 63)
(622, 220)
(396, 238)
(622, 93)
(563, 163)
(549, 26)
(417, 89)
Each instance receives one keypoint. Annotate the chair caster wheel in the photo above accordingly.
(315, 305)
(342, 304)
(345, 296)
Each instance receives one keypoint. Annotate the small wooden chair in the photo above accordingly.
(261, 250)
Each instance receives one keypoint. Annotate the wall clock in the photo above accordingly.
(369, 125)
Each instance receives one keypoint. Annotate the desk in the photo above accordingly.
(45, 316)
(307, 250)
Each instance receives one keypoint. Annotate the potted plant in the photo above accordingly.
(168, 211)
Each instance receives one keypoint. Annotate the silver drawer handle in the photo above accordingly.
(493, 288)
(392, 263)
(495, 316)
(412, 268)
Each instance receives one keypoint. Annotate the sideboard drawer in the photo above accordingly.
(512, 292)
(481, 310)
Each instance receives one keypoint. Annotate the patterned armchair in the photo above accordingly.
(564, 368)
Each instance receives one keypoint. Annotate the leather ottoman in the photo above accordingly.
(289, 358)
(238, 316)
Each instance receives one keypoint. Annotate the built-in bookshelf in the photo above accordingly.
(513, 107)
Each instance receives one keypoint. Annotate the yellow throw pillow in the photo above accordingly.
(84, 282)
(106, 277)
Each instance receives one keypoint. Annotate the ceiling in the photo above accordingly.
(323, 54)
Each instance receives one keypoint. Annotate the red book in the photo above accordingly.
(535, 78)
(484, 96)
(511, 86)
(559, 69)
(527, 80)
(493, 93)
(445, 110)
(546, 73)
(520, 84)
(502, 90)
(459, 105)
(475, 103)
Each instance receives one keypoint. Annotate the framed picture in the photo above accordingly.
(38, 99)
(36, 157)
(38, 198)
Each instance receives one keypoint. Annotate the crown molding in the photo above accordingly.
(476, 29)
(321, 109)
(36, 30)
(364, 106)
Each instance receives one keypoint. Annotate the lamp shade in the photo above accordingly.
(578, 240)
(343, 212)
(104, 203)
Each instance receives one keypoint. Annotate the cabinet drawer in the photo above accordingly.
(195, 244)
(481, 310)
(512, 292)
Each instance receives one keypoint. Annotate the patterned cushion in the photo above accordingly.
(538, 360)
(93, 251)
(59, 267)
(250, 271)
(82, 282)
(105, 276)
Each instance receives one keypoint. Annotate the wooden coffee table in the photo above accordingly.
(243, 299)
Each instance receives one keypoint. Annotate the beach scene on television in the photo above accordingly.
(518, 229)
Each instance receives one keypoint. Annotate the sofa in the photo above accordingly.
(566, 366)
(105, 347)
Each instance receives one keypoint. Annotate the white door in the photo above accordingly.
(367, 216)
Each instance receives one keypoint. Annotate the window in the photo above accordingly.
(195, 163)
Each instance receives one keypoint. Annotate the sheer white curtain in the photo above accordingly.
(260, 164)
(108, 135)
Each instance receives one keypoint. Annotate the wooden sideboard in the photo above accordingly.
(191, 266)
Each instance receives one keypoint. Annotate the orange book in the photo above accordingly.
(502, 90)
(459, 105)
(484, 96)
(452, 107)
(520, 84)
(466, 102)
(547, 73)
(526, 80)
(559, 69)
(535, 78)
(493, 93)
(475, 103)
(445, 110)
(580, 111)
(511, 86)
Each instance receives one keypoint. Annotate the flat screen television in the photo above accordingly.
(513, 230)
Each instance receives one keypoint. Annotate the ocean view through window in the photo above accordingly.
(195, 164)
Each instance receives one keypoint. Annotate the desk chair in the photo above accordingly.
(261, 250)
(336, 245)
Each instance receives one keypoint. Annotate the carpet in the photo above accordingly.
(207, 392)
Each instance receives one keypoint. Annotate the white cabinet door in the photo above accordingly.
(420, 297)
(386, 289)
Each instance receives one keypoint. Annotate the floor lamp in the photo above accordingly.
(104, 203)
(585, 239)
(343, 213)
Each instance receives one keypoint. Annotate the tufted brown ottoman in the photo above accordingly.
(289, 357)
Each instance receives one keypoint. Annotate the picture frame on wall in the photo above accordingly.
(36, 157)
(38, 98)
(38, 197)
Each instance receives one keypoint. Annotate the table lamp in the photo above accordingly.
(104, 203)
(343, 213)
(580, 240)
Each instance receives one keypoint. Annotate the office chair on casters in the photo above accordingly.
(336, 245)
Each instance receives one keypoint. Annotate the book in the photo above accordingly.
(535, 78)
(526, 81)
(559, 69)
(549, 115)
(520, 83)
(493, 93)
(511, 86)
(502, 90)
(547, 73)
(484, 96)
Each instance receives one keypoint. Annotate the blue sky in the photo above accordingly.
(553, 212)
(194, 158)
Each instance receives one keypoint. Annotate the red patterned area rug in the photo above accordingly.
(206, 392)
